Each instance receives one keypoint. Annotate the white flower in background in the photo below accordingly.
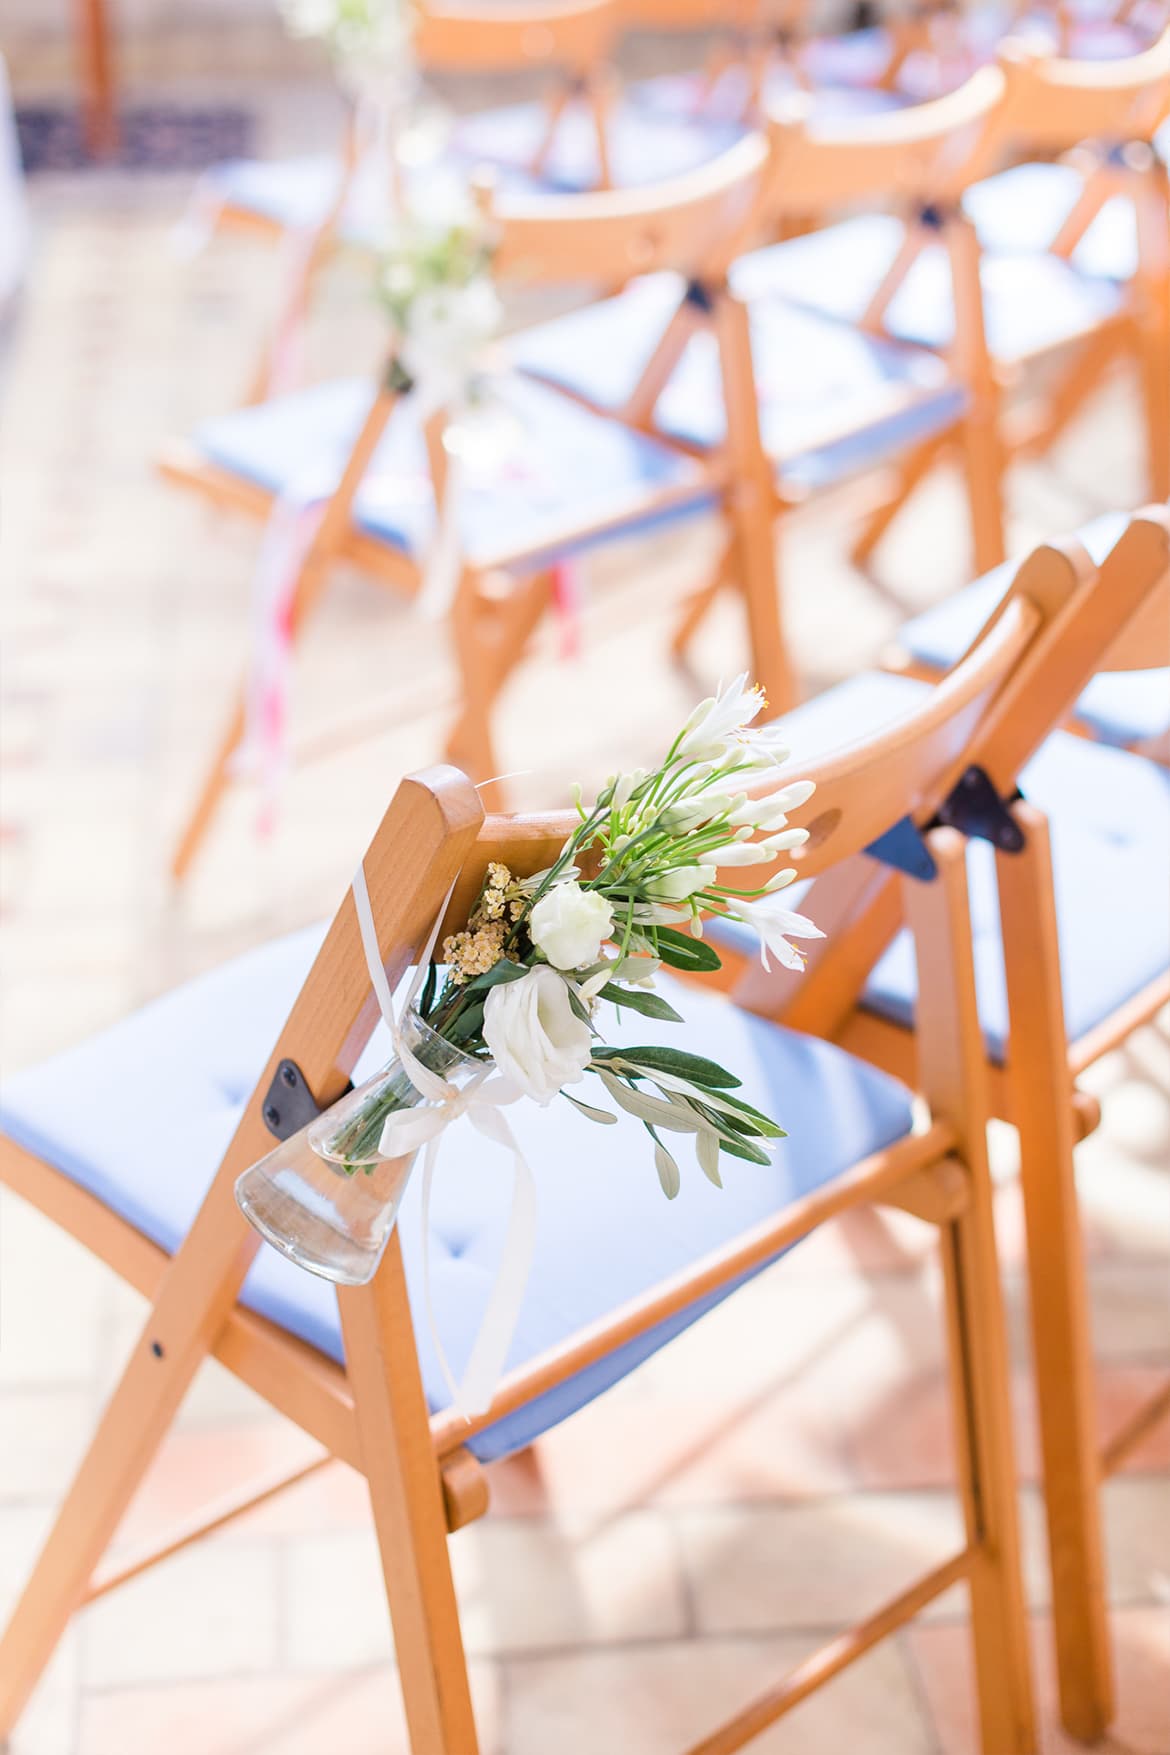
(570, 925)
(533, 1034)
(718, 720)
(446, 331)
(775, 926)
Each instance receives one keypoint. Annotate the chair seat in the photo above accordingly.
(832, 400)
(1125, 707)
(694, 95)
(298, 194)
(109, 1115)
(568, 470)
(642, 147)
(1024, 207)
(1109, 818)
(1034, 302)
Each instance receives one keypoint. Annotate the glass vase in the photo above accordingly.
(327, 1198)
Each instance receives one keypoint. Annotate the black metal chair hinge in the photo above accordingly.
(977, 810)
(288, 1103)
(702, 295)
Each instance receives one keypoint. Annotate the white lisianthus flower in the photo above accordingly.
(677, 885)
(533, 1034)
(717, 720)
(772, 812)
(570, 925)
(775, 926)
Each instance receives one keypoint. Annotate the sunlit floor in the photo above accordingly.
(765, 1481)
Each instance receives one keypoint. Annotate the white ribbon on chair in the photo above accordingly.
(481, 1102)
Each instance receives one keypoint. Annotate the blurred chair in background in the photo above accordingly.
(13, 207)
(389, 496)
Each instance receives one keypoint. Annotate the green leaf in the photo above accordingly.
(682, 951)
(676, 1117)
(640, 999)
(744, 1149)
(762, 1123)
(587, 1109)
(667, 1168)
(707, 1152)
(683, 1065)
(577, 1006)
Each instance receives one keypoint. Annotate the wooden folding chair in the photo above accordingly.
(837, 400)
(1053, 997)
(588, 478)
(1027, 304)
(568, 42)
(1129, 709)
(81, 1143)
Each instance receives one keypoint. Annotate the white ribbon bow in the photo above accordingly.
(480, 1100)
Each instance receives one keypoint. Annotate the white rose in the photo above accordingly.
(570, 925)
(533, 1034)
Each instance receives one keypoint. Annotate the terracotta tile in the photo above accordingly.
(521, 1585)
(360, 1712)
(213, 1610)
(1141, 1644)
(818, 1564)
(657, 1699)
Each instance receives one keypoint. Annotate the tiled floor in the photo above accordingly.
(770, 1477)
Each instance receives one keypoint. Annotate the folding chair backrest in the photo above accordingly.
(926, 154)
(1052, 104)
(864, 788)
(691, 223)
(573, 37)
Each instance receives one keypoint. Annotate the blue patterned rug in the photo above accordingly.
(154, 137)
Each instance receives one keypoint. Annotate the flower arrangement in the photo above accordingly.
(356, 32)
(434, 279)
(522, 984)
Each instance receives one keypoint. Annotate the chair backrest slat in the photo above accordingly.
(1051, 104)
(692, 223)
(573, 36)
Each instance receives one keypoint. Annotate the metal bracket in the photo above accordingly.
(904, 847)
(288, 1103)
(976, 809)
(701, 295)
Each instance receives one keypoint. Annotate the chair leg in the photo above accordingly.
(196, 1296)
(983, 449)
(952, 1072)
(407, 1499)
(215, 783)
(982, 1414)
(489, 636)
(1042, 1110)
(913, 472)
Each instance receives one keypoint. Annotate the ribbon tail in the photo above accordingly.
(430, 1158)
(498, 1324)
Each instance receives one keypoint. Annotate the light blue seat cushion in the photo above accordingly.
(643, 147)
(298, 193)
(693, 95)
(1033, 301)
(1109, 815)
(1024, 207)
(141, 1115)
(1122, 707)
(833, 401)
(566, 469)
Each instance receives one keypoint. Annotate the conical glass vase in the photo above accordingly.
(327, 1198)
